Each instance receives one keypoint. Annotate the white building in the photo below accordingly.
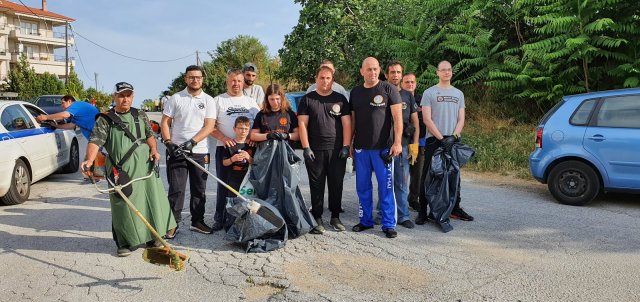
(35, 32)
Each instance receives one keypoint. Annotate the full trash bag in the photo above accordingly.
(273, 180)
(443, 181)
(250, 228)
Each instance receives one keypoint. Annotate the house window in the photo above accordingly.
(28, 28)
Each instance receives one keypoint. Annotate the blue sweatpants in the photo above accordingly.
(367, 161)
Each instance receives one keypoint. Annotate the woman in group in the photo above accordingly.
(276, 168)
(276, 120)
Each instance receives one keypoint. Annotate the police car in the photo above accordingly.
(31, 151)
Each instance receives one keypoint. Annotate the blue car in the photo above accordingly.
(589, 143)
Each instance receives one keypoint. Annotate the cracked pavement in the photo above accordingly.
(523, 246)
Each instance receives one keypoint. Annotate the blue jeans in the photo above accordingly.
(401, 184)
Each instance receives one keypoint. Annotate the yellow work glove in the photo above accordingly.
(413, 153)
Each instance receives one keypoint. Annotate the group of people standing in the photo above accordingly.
(383, 125)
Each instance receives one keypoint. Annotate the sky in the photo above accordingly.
(163, 30)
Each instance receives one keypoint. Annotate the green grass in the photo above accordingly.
(501, 146)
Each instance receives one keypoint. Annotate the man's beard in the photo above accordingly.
(248, 82)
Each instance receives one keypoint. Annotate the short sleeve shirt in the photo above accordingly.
(325, 119)
(227, 108)
(276, 122)
(255, 92)
(372, 110)
(83, 115)
(187, 115)
(409, 107)
(445, 104)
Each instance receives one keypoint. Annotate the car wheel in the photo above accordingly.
(20, 185)
(74, 159)
(573, 183)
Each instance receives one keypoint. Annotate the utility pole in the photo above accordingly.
(95, 74)
(197, 58)
(66, 54)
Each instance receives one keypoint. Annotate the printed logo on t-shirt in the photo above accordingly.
(404, 105)
(377, 101)
(200, 106)
(283, 121)
(447, 99)
(237, 111)
(335, 109)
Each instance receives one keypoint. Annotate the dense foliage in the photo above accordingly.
(518, 53)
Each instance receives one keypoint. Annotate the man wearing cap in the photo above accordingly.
(334, 86)
(124, 132)
(187, 120)
(250, 73)
(228, 106)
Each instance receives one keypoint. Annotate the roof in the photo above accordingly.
(599, 94)
(19, 8)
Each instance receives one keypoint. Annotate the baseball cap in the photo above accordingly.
(249, 67)
(122, 86)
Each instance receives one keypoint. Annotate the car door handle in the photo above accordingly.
(597, 138)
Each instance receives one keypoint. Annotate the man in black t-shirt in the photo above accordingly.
(376, 110)
(324, 120)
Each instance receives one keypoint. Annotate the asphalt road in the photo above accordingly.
(523, 246)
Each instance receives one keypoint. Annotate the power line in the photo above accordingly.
(80, 59)
(126, 56)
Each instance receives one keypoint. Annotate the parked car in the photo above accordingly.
(31, 151)
(589, 143)
(49, 103)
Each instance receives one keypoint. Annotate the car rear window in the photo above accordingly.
(581, 116)
(49, 101)
(620, 112)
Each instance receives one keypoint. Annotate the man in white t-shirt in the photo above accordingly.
(335, 86)
(250, 73)
(228, 106)
(187, 120)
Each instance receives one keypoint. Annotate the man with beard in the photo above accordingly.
(228, 107)
(250, 73)
(187, 120)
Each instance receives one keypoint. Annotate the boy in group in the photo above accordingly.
(239, 156)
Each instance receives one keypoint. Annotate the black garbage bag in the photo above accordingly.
(275, 175)
(443, 180)
(261, 232)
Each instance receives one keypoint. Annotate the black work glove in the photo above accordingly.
(283, 136)
(171, 147)
(387, 158)
(308, 154)
(272, 136)
(447, 142)
(185, 147)
(344, 152)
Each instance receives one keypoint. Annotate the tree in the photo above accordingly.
(74, 85)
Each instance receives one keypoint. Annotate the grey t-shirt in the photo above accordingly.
(335, 87)
(445, 104)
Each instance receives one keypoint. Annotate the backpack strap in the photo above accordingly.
(115, 120)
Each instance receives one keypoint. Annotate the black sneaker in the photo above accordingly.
(171, 233)
(123, 252)
(407, 224)
(359, 227)
(319, 229)
(337, 224)
(217, 226)
(421, 219)
(459, 213)
(390, 233)
(200, 227)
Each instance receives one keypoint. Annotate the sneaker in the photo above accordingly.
(171, 233)
(217, 226)
(407, 224)
(390, 233)
(422, 219)
(446, 227)
(200, 227)
(123, 252)
(319, 229)
(459, 213)
(154, 243)
(359, 227)
(337, 224)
